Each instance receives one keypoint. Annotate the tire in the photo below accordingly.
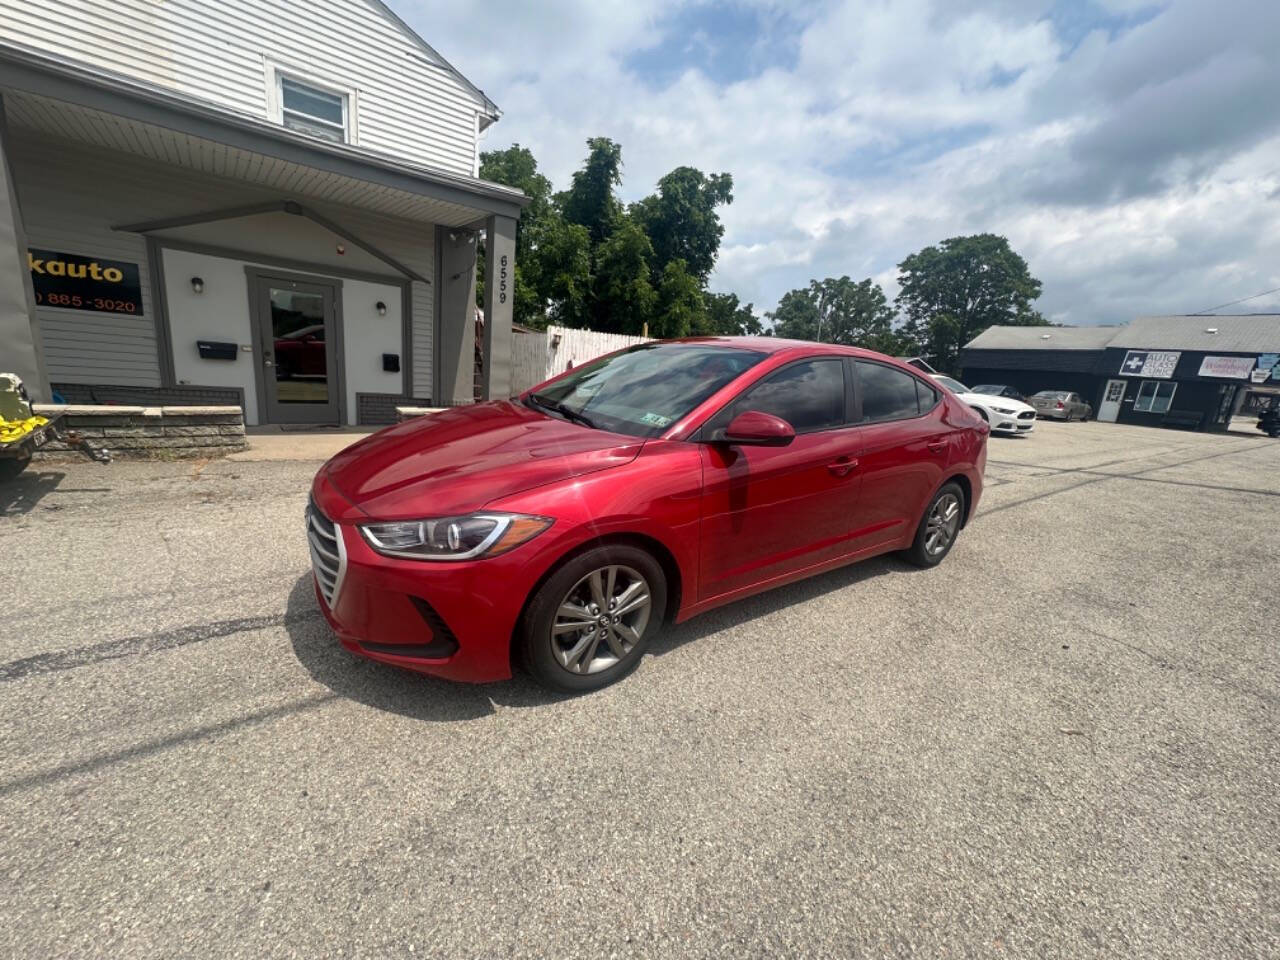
(601, 652)
(982, 413)
(924, 550)
(10, 467)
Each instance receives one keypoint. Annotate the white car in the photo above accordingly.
(1003, 413)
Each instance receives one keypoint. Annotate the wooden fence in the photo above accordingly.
(539, 356)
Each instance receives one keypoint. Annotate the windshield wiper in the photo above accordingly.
(564, 410)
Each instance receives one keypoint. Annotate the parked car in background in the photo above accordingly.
(1061, 405)
(1004, 414)
(1000, 390)
(564, 528)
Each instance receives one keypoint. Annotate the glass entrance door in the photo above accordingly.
(300, 355)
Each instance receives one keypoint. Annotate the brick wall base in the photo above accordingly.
(151, 432)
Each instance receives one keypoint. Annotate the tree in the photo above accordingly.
(590, 200)
(838, 311)
(952, 292)
(680, 308)
(622, 298)
(681, 219)
(726, 316)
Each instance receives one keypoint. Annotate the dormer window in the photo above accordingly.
(315, 110)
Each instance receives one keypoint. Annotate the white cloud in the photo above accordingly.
(1137, 171)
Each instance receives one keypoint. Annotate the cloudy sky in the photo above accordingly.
(1129, 150)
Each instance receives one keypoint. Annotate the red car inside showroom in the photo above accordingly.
(561, 530)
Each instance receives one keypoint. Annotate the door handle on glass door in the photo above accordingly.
(843, 466)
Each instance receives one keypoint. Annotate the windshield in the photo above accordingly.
(644, 390)
(953, 385)
(992, 388)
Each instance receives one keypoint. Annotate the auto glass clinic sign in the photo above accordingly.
(1156, 364)
(74, 282)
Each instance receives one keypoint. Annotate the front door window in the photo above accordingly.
(299, 349)
(298, 332)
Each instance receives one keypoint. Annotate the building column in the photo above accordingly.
(20, 350)
(499, 297)
(455, 342)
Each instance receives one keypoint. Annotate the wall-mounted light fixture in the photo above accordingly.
(341, 249)
(382, 309)
(197, 285)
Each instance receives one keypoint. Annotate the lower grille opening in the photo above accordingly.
(443, 643)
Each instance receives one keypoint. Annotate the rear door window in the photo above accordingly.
(890, 394)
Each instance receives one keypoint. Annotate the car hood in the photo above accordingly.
(460, 459)
(987, 400)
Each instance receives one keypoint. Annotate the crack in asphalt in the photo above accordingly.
(149, 643)
(165, 743)
(1097, 476)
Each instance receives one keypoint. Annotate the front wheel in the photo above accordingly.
(938, 527)
(591, 621)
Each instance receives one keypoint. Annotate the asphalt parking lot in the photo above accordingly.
(1061, 743)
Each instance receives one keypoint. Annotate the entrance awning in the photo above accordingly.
(119, 113)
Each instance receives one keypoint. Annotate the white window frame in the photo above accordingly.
(1155, 393)
(277, 72)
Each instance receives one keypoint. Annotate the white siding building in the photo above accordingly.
(271, 203)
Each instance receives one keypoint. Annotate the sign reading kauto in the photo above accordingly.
(1157, 364)
(1229, 368)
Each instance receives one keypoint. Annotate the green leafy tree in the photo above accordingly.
(953, 291)
(560, 264)
(590, 200)
(838, 311)
(680, 309)
(622, 298)
(726, 316)
(681, 219)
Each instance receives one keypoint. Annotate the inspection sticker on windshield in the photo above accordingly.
(655, 419)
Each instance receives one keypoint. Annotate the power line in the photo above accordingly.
(1234, 302)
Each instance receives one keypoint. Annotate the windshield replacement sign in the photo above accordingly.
(1157, 364)
(85, 283)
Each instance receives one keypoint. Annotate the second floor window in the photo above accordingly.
(315, 111)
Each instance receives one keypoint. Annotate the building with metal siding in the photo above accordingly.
(1194, 372)
(285, 191)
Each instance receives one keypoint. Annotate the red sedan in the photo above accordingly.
(562, 529)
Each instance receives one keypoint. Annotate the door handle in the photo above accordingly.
(843, 466)
(936, 446)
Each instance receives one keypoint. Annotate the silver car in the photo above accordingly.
(1060, 405)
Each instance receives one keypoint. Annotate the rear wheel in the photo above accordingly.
(592, 620)
(938, 527)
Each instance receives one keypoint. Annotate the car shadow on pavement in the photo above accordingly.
(419, 697)
(389, 688)
(24, 492)
(779, 598)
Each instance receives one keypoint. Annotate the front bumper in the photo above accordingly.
(1011, 425)
(452, 620)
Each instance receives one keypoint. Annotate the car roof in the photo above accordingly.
(782, 345)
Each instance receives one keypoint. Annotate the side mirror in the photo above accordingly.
(754, 428)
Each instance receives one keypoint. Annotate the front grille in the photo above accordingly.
(1029, 415)
(328, 555)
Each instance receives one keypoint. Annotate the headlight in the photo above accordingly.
(453, 538)
(1007, 413)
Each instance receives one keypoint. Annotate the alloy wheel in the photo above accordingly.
(601, 619)
(944, 521)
